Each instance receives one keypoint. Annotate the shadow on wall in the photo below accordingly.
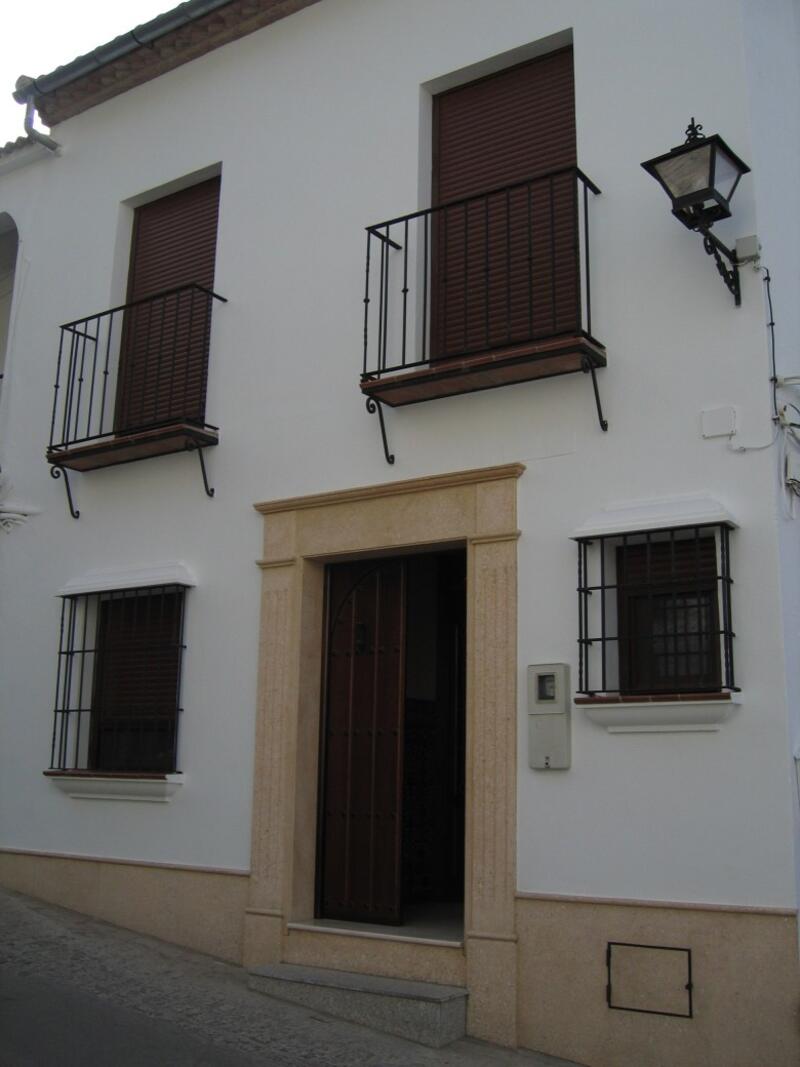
(9, 243)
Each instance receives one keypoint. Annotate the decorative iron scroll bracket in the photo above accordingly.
(60, 472)
(192, 447)
(374, 405)
(729, 275)
(588, 368)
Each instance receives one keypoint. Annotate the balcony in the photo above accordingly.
(131, 382)
(482, 292)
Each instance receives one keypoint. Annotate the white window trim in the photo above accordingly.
(112, 579)
(637, 516)
(85, 785)
(662, 716)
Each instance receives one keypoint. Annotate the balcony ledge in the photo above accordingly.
(469, 374)
(130, 446)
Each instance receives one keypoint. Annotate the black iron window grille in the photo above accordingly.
(118, 682)
(479, 274)
(654, 612)
(136, 367)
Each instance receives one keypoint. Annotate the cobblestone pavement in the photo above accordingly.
(75, 992)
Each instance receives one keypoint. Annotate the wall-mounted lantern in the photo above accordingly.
(700, 177)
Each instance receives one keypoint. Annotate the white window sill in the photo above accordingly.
(87, 786)
(661, 716)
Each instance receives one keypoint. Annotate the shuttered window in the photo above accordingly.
(163, 369)
(669, 630)
(505, 265)
(118, 684)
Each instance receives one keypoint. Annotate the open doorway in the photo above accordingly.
(390, 847)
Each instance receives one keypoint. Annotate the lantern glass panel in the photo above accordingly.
(687, 173)
(726, 174)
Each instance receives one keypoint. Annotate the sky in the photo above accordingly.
(38, 37)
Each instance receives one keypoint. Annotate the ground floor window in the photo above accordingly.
(118, 681)
(655, 612)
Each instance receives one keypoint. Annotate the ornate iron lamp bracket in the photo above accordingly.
(588, 368)
(60, 472)
(374, 405)
(729, 275)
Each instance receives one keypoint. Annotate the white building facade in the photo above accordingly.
(517, 711)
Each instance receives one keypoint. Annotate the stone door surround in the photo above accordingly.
(477, 509)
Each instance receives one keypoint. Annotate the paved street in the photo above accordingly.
(76, 992)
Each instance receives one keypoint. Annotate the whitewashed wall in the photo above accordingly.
(772, 36)
(318, 122)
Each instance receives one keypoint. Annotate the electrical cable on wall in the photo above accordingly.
(786, 426)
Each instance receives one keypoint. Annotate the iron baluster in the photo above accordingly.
(386, 302)
(109, 332)
(576, 250)
(175, 338)
(586, 634)
(729, 610)
(56, 387)
(204, 355)
(465, 313)
(96, 321)
(508, 266)
(553, 304)
(79, 709)
(188, 358)
(67, 415)
(159, 361)
(366, 305)
(443, 326)
(486, 271)
(381, 307)
(580, 617)
(84, 336)
(59, 668)
(586, 258)
(63, 740)
(425, 287)
(405, 286)
(529, 227)
(603, 684)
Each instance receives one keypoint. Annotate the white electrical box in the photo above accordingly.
(718, 422)
(549, 733)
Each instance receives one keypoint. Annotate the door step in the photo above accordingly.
(431, 1014)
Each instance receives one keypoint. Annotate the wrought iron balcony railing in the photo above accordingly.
(134, 372)
(500, 279)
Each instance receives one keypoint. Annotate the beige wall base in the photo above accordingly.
(491, 980)
(198, 909)
(746, 986)
(263, 937)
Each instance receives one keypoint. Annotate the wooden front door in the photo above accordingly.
(361, 817)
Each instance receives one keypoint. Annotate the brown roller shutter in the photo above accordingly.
(505, 266)
(165, 341)
(668, 616)
(134, 705)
